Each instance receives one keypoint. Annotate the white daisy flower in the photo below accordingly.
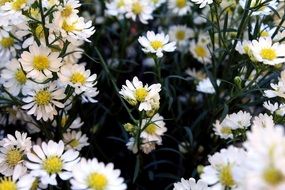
(223, 169)
(200, 52)
(70, 8)
(265, 158)
(180, 34)
(139, 9)
(50, 160)
(40, 62)
(263, 120)
(267, 52)
(11, 12)
(190, 184)
(153, 128)
(72, 28)
(136, 93)
(271, 107)
(278, 89)
(179, 7)
(197, 75)
(91, 174)
(232, 122)
(202, 3)
(75, 140)
(240, 119)
(42, 100)
(76, 76)
(8, 48)
(156, 43)
(13, 77)
(18, 181)
(206, 86)
(260, 7)
(116, 8)
(12, 152)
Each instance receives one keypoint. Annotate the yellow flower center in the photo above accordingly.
(74, 143)
(18, 4)
(226, 130)
(137, 8)
(140, 94)
(43, 97)
(67, 11)
(53, 164)
(156, 44)
(151, 129)
(180, 35)
(7, 42)
(226, 177)
(268, 53)
(40, 31)
(6, 183)
(20, 76)
(180, 3)
(13, 157)
(97, 181)
(264, 34)
(77, 78)
(200, 51)
(68, 27)
(41, 62)
(273, 176)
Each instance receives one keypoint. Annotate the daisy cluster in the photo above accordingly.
(40, 52)
(147, 131)
(29, 165)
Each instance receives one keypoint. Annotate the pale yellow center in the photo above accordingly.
(18, 4)
(140, 94)
(6, 183)
(20, 76)
(151, 129)
(41, 62)
(97, 181)
(264, 34)
(13, 157)
(67, 11)
(7, 42)
(68, 27)
(268, 53)
(180, 3)
(226, 130)
(180, 35)
(273, 176)
(200, 51)
(156, 44)
(137, 8)
(43, 97)
(74, 143)
(226, 177)
(53, 164)
(77, 78)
